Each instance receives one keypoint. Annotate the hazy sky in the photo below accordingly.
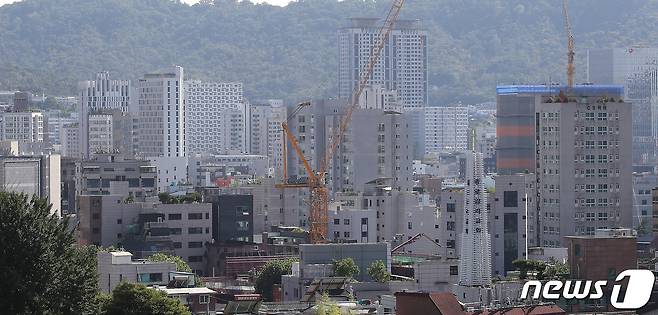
(275, 2)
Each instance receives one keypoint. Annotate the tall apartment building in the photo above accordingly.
(475, 252)
(54, 121)
(402, 66)
(636, 68)
(100, 133)
(583, 163)
(216, 119)
(446, 129)
(70, 141)
(98, 95)
(161, 113)
(24, 127)
(266, 134)
(376, 145)
(513, 220)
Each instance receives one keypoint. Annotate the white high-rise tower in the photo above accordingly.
(475, 258)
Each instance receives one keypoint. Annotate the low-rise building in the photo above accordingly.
(114, 174)
(316, 261)
(116, 267)
(146, 228)
(602, 256)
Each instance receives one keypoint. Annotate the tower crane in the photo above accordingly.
(319, 193)
(570, 47)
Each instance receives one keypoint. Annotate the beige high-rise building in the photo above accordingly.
(161, 111)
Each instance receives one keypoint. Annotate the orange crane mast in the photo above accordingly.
(570, 47)
(319, 193)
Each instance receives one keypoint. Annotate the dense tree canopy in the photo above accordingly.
(270, 275)
(291, 52)
(129, 298)
(378, 272)
(181, 265)
(42, 270)
(345, 267)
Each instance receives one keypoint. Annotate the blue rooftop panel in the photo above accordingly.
(588, 90)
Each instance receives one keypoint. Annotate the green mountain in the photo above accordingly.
(291, 52)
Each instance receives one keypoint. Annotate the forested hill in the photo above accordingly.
(291, 52)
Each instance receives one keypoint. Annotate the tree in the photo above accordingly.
(326, 307)
(181, 265)
(164, 197)
(345, 267)
(377, 271)
(41, 264)
(270, 275)
(526, 265)
(556, 270)
(130, 298)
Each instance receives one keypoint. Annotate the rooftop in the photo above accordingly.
(583, 90)
(175, 291)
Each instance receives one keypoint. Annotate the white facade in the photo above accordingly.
(172, 171)
(446, 129)
(160, 103)
(358, 225)
(377, 97)
(475, 257)
(117, 267)
(216, 117)
(401, 67)
(100, 95)
(266, 133)
(23, 127)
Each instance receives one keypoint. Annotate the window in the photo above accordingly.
(242, 225)
(450, 244)
(346, 234)
(195, 230)
(336, 221)
(346, 221)
(195, 259)
(174, 216)
(195, 216)
(510, 199)
(409, 225)
(450, 225)
(178, 245)
(454, 270)
(576, 250)
(149, 277)
(450, 207)
(364, 221)
(194, 244)
(204, 299)
(175, 231)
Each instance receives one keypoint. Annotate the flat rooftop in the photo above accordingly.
(584, 90)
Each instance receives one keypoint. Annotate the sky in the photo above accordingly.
(274, 2)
